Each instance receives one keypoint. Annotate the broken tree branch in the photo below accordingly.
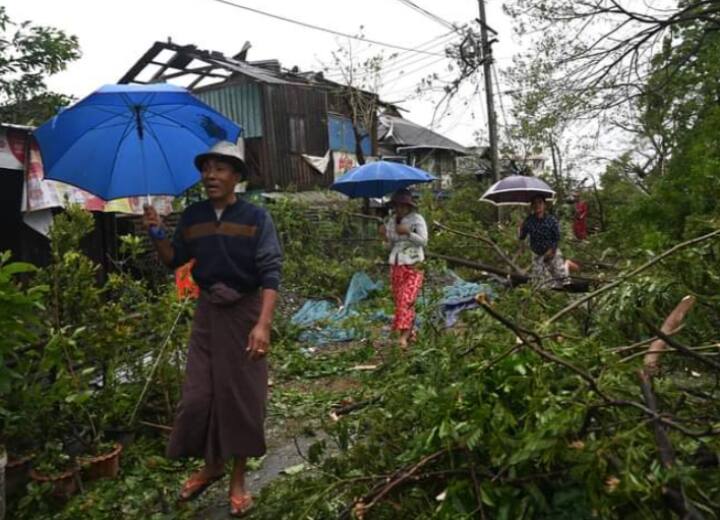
(673, 492)
(534, 342)
(643, 343)
(672, 322)
(577, 303)
(685, 350)
(516, 278)
(485, 240)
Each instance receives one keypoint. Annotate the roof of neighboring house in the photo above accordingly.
(406, 135)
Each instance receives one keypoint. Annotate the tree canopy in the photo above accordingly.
(28, 55)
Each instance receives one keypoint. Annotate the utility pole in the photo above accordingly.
(487, 70)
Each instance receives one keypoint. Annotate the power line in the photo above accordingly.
(434, 17)
(323, 29)
(394, 62)
(418, 69)
(396, 68)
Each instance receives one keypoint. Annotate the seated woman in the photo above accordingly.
(406, 231)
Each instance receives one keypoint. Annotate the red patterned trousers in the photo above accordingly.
(406, 282)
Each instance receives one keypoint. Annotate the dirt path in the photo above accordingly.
(282, 454)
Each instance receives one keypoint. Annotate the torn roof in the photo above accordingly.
(195, 68)
(406, 135)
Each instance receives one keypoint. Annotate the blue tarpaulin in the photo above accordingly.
(460, 296)
(322, 321)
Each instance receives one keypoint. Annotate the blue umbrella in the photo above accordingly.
(131, 140)
(379, 178)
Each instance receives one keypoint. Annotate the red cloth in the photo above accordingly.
(406, 282)
(580, 222)
(186, 286)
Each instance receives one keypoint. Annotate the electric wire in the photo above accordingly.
(396, 64)
(319, 28)
(412, 5)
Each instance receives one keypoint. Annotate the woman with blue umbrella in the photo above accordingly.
(405, 231)
(407, 235)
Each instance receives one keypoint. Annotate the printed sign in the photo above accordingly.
(12, 148)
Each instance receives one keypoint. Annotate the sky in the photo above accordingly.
(114, 34)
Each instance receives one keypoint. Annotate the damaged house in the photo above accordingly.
(402, 140)
(298, 129)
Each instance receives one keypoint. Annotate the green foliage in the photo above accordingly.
(53, 460)
(19, 308)
(322, 253)
(146, 488)
(28, 54)
(517, 423)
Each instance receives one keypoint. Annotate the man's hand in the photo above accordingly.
(259, 341)
(151, 217)
(402, 229)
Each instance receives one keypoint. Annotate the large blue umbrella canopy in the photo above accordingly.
(379, 178)
(517, 190)
(132, 140)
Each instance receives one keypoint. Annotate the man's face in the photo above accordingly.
(219, 179)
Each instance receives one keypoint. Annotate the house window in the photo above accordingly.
(298, 142)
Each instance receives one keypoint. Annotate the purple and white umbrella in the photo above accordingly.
(517, 190)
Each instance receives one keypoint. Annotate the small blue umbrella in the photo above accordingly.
(379, 178)
(131, 140)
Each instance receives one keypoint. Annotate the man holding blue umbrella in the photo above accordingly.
(237, 266)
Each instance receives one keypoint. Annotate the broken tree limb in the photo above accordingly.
(579, 283)
(363, 505)
(672, 350)
(516, 278)
(672, 322)
(485, 240)
(673, 492)
(665, 449)
(533, 341)
(643, 343)
(577, 303)
(686, 350)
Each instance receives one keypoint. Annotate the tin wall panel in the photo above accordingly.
(241, 103)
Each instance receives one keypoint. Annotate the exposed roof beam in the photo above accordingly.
(140, 64)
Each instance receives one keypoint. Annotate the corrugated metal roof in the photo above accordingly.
(400, 131)
(241, 103)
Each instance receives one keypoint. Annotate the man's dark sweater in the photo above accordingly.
(239, 249)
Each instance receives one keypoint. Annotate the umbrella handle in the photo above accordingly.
(157, 233)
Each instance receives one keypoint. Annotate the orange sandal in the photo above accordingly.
(240, 505)
(195, 486)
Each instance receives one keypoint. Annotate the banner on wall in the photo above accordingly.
(12, 148)
(344, 161)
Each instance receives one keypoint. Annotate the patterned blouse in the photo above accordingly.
(544, 233)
